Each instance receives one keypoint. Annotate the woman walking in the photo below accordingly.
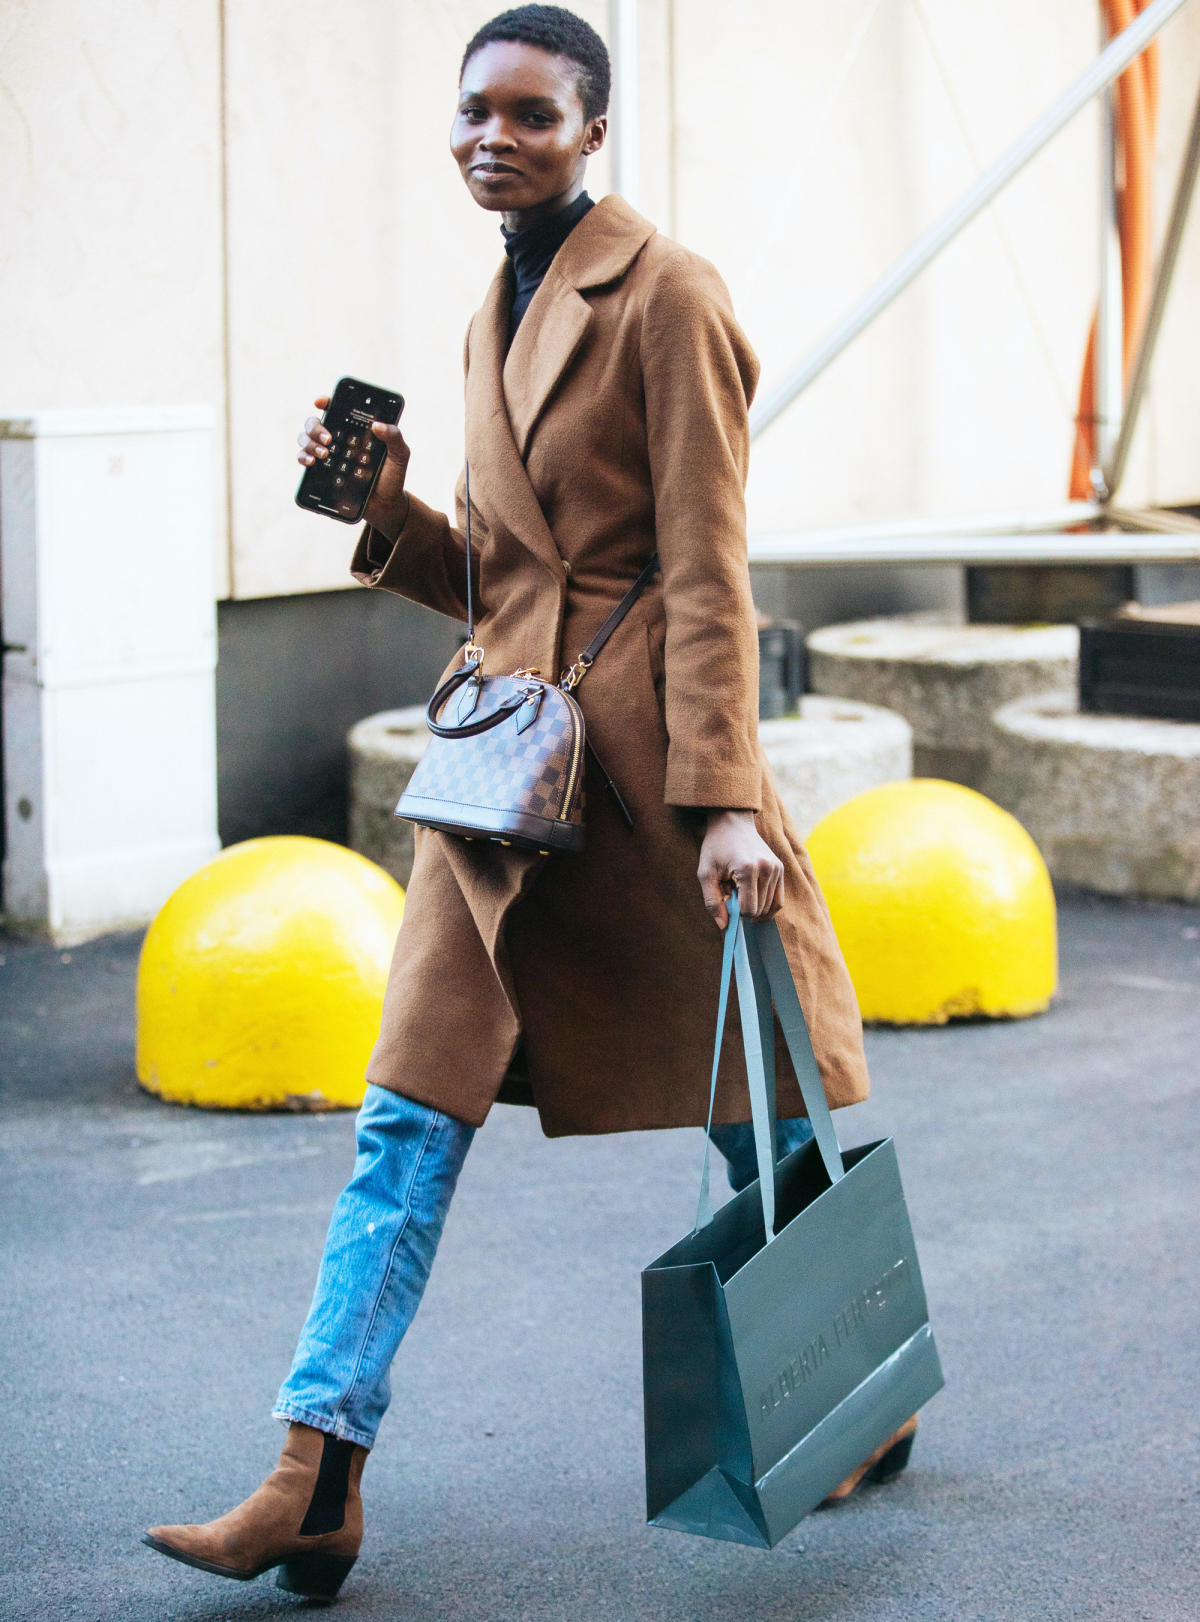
(607, 390)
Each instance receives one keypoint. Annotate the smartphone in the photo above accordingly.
(340, 484)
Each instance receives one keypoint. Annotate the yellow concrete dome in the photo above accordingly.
(261, 980)
(941, 902)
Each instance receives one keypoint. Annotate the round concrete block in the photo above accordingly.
(833, 749)
(947, 679)
(1113, 801)
(384, 751)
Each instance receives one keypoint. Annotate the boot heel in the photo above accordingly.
(893, 1461)
(316, 1576)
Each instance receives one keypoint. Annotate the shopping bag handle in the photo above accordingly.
(753, 952)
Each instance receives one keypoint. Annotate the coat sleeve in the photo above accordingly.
(428, 561)
(699, 375)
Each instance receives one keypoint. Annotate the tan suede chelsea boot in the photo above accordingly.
(887, 1461)
(306, 1518)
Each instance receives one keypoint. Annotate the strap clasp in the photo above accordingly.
(574, 674)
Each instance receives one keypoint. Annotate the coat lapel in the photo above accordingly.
(546, 343)
(600, 249)
(506, 397)
(500, 486)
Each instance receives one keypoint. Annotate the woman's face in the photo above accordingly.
(520, 137)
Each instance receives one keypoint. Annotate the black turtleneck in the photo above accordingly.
(532, 250)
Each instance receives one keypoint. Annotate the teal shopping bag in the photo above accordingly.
(787, 1337)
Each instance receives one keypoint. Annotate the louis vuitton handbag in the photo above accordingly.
(787, 1337)
(506, 756)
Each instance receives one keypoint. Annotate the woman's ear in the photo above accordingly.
(594, 139)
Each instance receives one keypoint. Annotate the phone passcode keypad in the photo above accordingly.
(351, 458)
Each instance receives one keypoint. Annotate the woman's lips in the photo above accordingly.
(494, 171)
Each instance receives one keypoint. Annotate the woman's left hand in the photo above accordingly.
(734, 852)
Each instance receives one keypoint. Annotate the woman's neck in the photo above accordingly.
(521, 219)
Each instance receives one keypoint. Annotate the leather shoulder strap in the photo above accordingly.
(575, 674)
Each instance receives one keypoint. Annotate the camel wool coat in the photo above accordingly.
(615, 427)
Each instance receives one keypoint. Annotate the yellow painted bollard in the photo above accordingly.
(261, 980)
(941, 902)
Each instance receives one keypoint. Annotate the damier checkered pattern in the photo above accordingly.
(503, 769)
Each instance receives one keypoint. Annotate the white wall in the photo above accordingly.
(345, 242)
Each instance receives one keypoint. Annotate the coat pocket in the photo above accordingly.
(656, 636)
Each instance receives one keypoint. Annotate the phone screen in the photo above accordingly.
(340, 484)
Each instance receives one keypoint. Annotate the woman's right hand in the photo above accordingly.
(388, 505)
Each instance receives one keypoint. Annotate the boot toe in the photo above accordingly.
(179, 1537)
(193, 1546)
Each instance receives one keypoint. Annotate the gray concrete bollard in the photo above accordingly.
(831, 750)
(1112, 801)
(384, 751)
(947, 679)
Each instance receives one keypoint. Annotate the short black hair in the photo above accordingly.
(559, 32)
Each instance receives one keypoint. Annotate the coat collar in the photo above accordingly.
(505, 397)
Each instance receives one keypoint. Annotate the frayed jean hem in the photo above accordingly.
(322, 1422)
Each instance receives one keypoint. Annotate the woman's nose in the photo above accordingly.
(497, 138)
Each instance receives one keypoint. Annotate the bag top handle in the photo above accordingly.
(754, 952)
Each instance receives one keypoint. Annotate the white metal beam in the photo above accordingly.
(1036, 535)
(623, 42)
(833, 549)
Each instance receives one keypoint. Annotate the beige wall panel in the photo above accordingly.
(656, 112)
(110, 226)
(310, 92)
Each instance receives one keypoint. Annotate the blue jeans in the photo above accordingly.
(379, 1252)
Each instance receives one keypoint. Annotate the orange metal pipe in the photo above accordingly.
(1136, 115)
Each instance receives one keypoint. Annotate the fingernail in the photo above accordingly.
(326, 438)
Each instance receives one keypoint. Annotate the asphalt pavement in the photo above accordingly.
(158, 1261)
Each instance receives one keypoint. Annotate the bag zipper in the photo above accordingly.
(577, 743)
(576, 757)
